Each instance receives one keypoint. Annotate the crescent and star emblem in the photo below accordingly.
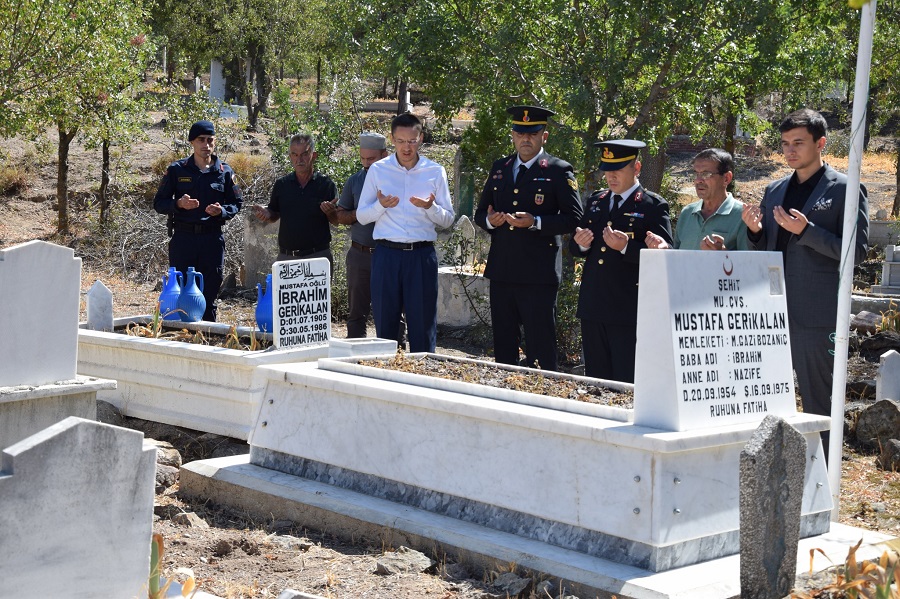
(728, 266)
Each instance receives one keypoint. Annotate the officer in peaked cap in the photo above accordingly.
(529, 201)
(610, 237)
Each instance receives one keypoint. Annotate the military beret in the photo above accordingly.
(372, 141)
(201, 128)
(529, 119)
(618, 153)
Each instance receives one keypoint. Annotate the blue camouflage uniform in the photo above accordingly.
(196, 237)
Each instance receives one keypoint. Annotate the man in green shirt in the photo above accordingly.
(714, 222)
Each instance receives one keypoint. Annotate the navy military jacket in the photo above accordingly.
(609, 279)
(548, 190)
(216, 185)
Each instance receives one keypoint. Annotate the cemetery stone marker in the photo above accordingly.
(713, 347)
(99, 307)
(301, 302)
(40, 288)
(773, 465)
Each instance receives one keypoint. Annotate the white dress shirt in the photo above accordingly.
(406, 223)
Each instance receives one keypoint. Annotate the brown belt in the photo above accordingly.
(361, 247)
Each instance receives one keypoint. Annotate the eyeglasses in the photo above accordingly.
(705, 175)
(406, 142)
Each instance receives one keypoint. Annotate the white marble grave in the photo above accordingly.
(29, 409)
(890, 272)
(77, 512)
(596, 484)
(39, 293)
(713, 347)
(99, 307)
(301, 302)
(205, 388)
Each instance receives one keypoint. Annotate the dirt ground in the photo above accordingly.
(240, 557)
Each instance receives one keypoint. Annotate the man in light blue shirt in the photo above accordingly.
(406, 196)
(714, 222)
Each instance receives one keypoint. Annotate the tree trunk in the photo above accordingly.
(384, 87)
(401, 97)
(652, 169)
(730, 131)
(319, 82)
(104, 185)
(170, 67)
(62, 177)
(895, 210)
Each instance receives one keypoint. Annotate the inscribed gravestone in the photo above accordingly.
(713, 347)
(773, 465)
(40, 295)
(301, 302)
(99, 307)
(77, 512)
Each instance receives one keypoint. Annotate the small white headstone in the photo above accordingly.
(99, 307)
(887, 382)
(713, 346)
(216, 81)
(301, 302)
(40, 289)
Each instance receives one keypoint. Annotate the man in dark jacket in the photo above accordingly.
(610, 237)
(199, 194)
(530, 200)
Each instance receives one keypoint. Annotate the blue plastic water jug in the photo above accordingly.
(191, 302)
(168, 298)
(264, 315)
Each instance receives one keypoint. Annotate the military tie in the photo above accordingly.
(522, 169)
(615, 204)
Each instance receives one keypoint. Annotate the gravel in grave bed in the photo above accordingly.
(495, 376)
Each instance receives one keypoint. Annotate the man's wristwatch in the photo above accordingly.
(534, 226)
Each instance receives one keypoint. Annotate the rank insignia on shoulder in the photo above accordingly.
(573, 184)
(184, 179)
(538, 198)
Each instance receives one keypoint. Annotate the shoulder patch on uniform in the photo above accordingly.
(573, 183)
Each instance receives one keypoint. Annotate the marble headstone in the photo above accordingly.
(77, 512)
(887, 382)
(99, 307)
(216, 81)
(773, 464)
(40, 288)
(302, 302)
(713, 347)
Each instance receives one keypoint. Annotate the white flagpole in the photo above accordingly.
(851, 206)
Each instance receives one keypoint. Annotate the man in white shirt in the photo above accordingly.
(406, 196)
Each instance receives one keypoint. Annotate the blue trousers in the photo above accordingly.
(206, 253)
(406, 281)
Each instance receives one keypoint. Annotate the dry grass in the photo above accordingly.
(13, 179)
(872, 163)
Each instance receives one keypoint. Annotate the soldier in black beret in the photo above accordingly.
(610, 237)
(530, 200)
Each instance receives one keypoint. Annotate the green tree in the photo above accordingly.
(884, 88)
(104, 69)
